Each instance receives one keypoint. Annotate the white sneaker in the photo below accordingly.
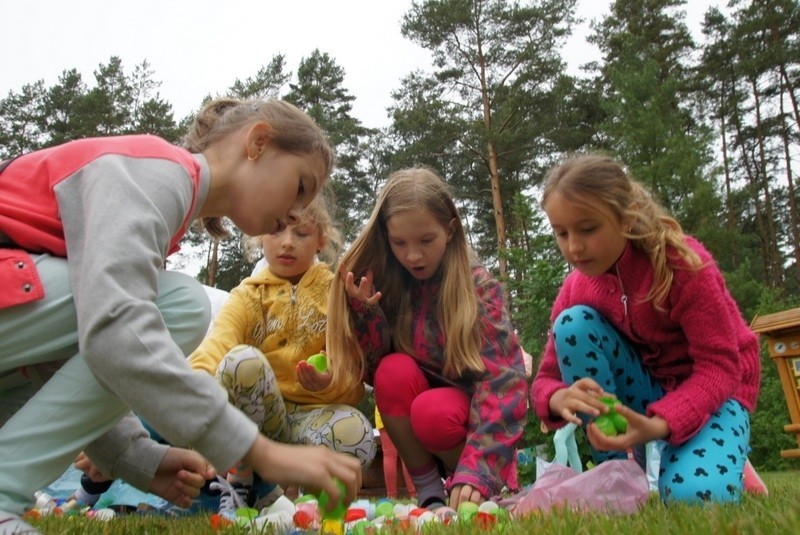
(14, 525)
(232, 496)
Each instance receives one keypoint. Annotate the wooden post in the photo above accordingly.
(782, 333)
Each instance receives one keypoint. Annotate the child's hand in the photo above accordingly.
(85, 464)
(582, 396)
(464, 493)
(310, 378)
(641, 429)
(316, 467)
(180, 476)
(364, 292)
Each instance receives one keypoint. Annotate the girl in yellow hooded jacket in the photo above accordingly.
(258, 346)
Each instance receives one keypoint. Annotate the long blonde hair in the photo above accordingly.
(602, 183)
(292, 129)
(457, 306)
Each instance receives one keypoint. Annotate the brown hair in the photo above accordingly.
(292, 130)
(602, 183)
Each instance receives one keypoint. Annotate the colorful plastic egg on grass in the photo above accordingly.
(104, 514)
(218, 522)
(445, 515)
(402, 510)
(339, 508)
(421, 517)
(488, 507)
(384, 508)
(363, 527)
(366, 505)
(307, 516)
(467, 510)
(332, 526)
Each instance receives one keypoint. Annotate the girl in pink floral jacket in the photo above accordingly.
(417, 317)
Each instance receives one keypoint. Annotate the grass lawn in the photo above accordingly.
(778, 513)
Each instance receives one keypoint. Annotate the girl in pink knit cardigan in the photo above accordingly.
(645, 317)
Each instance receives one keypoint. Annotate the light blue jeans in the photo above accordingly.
(54, 412)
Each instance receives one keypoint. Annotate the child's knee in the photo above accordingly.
(573, 320)
(698, 491)
(353, 434)
(439, 429)
(398, 380)
(699, 484)
(242, 367)
(396, 367)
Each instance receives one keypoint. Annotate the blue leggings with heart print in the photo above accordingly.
(707, 467)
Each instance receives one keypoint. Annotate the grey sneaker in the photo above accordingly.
(14, 525)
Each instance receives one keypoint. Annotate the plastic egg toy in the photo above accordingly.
(467, 510)
(384, 508)
(445, 515)
(104, 514)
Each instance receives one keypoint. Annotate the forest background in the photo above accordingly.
(711, 126)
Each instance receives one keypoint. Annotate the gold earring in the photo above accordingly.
(254, 157)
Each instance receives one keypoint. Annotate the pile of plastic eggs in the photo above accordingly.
(46, 505)
(362, 517)
(306, 515)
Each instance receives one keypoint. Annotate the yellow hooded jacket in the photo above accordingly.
(286, 321)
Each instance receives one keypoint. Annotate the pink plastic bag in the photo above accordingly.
(618, 486)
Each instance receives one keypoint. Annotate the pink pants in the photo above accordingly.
(439, 416)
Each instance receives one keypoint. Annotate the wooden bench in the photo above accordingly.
(782, 333)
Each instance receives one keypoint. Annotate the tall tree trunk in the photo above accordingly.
(494, 171)
(751, 180)
(790, 89)
(772, 235)
(792, 198)
(213, 263)
(499, 215)
(776, 42)
(729, 208)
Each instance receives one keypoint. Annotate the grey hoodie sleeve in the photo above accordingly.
(128, 452)
(119, 214)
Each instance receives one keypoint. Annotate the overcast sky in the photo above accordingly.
(200, 47)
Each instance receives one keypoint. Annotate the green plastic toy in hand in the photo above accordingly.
(612, 423)
(319, 361)
(337, 513)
